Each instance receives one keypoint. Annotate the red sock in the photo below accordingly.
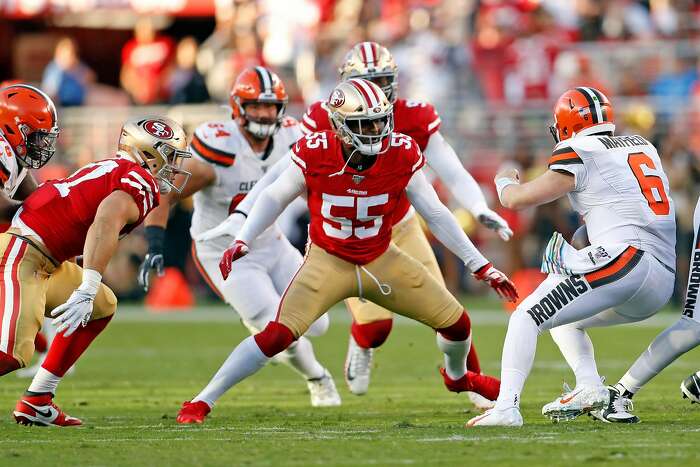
(8, 364)
(371, 335)
(65, 351)
(473, 360)
(40, 342)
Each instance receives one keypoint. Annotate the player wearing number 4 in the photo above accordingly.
(353, 178)
(229, 158)
(626, 274)
(83, 214)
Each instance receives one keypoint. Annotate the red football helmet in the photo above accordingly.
(28, 120)
(581, 111)
(262, 86)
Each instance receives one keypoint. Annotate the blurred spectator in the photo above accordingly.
(185, 84)
(66, 78)
(145, 59)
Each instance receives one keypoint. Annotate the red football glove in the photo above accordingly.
(237, 250)
(498, 282)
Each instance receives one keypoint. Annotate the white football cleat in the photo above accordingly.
(323, 392)
(574, 403)
(480, 402)
(618, 409)
(358, 367)
(497, 417)
(690, 388)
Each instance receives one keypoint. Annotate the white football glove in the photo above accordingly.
(491, 220)
(75, 312)
(78, 308)
(231, 226)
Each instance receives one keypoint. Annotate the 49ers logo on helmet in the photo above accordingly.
(337, 98)
(158, 129)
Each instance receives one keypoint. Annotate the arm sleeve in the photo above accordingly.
(272, 202)
(444, 161)
(565, 160)
(275, 171)
(441, 222)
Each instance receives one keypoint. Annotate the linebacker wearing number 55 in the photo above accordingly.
(353, 178)
(617, 184)
(83, 214)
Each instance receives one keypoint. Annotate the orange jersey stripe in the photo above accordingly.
(212, 155)
(613, 268)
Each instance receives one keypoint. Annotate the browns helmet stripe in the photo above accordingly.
(265, 79)
(599, 95)
(593, 104)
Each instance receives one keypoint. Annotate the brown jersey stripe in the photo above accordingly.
(565, 158)
(615, 270)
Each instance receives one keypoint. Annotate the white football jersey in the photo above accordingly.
(11, 173)
(237, 168)
(621, 191)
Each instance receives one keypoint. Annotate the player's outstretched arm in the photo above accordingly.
(232, 224)
(113, 213)
(266, 210)
(446, 229)
(546, 188)
(442, 158)
(202, 175)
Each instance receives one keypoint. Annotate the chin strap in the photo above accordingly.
(347, 161)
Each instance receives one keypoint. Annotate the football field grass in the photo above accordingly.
(130, 384)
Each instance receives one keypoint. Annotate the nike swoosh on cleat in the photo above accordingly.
(569, 399)
(51, 413)
(348, 374)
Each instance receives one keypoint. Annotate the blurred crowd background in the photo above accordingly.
(492, 68)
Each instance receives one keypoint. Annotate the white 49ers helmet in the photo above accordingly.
(361, 115)
(372, 62)
(158, 144)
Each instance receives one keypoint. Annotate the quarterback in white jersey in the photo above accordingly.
(229, 157)
(617, 184)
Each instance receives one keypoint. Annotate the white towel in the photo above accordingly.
(561, 258)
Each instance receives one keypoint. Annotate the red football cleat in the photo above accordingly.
(41, 411)
(193, 412)
(487, 386)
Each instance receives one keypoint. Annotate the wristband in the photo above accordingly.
(91, 281)
(503, 182)
(155, 235)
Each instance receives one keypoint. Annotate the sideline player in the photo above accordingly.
(85, 213)
(354, 178)
(230, 157)
(619, 187)
(674, 341)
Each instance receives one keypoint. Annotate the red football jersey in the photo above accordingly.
(348, 211)
(416, 119)
(61, 211)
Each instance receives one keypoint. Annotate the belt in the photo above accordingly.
(27, 240)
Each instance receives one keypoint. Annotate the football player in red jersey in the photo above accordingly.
(354, 179)
(419, 120)
(85, 213)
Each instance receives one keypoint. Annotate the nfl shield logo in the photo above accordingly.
(357, 179)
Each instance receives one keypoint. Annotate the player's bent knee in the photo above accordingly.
(459, 331)
(8, 364)
(105, 303)
(275, 338)
(371, 335)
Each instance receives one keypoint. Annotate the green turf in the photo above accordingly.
(129, 386)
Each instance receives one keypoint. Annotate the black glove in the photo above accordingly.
(154, 258)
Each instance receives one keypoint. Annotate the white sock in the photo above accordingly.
(577, 349)
(44, 381)
(300, 356)
(245, 360)
(518, 354)
(673, 342)
(455, 355)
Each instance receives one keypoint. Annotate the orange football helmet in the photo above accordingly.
(28, 121)
(258, 85)
(581, 111)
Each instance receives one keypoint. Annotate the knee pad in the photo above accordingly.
(274, 339)
(8, 364)
(106, 307)
(371, 335)
(459, 331)
(257, 321)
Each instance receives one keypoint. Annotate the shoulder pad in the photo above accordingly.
(217, 142)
